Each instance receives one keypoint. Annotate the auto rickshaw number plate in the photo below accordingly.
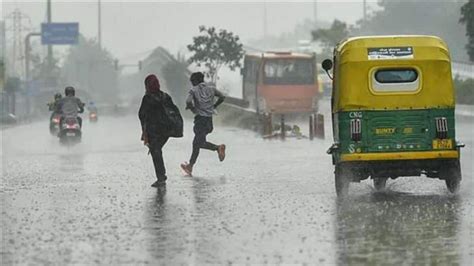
(442, 144)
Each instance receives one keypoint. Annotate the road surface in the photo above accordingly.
(268, 202)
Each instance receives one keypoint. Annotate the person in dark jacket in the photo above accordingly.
(153, 129)
(70, 105)
(202, 102)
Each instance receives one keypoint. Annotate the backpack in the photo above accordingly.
(171, 117)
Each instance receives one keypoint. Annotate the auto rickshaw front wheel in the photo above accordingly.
(343, 176)
(452, 176)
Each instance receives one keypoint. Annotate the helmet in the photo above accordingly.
(57, 96)
(69, 91)
(91, 103)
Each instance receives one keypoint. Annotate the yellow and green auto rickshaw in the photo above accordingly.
(393, 111)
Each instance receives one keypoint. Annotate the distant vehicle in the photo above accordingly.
(281, 83)
(54, 124)
(325, 85)
(92, 112)
(93, 116)
(393, 111)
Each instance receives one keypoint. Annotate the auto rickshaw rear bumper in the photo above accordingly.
(396, 156)
(398, 164)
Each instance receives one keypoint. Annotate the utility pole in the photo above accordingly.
(265, 24)
(365, 10)
(28, 54)
(17, 27)
(99, 23)
(315, 14)
(50, 47)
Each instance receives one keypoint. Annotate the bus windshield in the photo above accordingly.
(289, 72)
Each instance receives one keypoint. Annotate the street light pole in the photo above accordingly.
(265, 24)
(50, 47)
(28, 55)
(99, 23)
(365, 10)
(315, 13)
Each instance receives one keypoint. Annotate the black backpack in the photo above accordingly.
(172, 121)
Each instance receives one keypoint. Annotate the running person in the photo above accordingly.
(201, 101)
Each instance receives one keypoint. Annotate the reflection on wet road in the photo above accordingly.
(269, 202)
(399, 228)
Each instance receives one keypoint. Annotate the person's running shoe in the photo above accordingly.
(187, 168)
(221, 152)
(159, 183)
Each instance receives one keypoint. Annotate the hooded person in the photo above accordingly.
(151, 115)
(202, 100)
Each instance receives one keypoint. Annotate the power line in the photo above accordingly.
(16, 25)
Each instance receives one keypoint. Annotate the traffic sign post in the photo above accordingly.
(59, 33)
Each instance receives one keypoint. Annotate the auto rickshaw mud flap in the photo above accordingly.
(343, 177)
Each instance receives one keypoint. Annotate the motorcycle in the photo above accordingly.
(93, 116)
(70, 131)
(54, 124)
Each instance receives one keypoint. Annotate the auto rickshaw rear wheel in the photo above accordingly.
(379, 183)
(451, 174)
(343, 177)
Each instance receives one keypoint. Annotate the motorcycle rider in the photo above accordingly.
(91, 107)
(70, 105)
(52, 105)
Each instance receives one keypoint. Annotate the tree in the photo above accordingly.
(175, 73)
(439, 18)
(91, 69)
(215, 49)
(467, 18)
(332, 36)
(2, 74)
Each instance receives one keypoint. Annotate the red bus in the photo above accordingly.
(282, 83)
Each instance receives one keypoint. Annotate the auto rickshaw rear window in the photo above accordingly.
(405, 75)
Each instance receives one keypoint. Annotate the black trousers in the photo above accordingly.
(156, 146)
(202, 127)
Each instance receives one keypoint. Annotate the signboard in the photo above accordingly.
(59, 33)
(390, 53)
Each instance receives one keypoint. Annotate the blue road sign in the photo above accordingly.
(59, 33)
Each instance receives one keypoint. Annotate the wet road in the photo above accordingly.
(269, 202)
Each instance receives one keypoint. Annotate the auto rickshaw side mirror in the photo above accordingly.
(327, 65)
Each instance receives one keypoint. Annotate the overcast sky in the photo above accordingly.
(132, 27)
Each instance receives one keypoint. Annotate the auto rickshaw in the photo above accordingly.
(393, 111)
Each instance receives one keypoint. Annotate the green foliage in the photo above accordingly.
(12, 84)
(332, 36)
(2, 74)
(215, 49)
(467, 18)
(438, 18)
(464, 91)
(288, 39)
